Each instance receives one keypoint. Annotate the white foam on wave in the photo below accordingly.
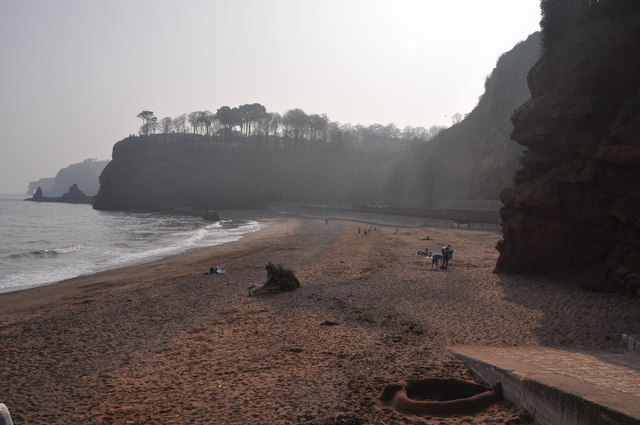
(43, 276)
(64, 250)
(210, 235)
(199, 234)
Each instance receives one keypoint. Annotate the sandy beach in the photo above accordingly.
(163, 343)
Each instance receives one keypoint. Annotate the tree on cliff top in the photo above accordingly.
(166, 125)
(249, 116)
(229, 118)
(149, 122)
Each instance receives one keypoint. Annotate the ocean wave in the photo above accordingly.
(87, 241)
(209, 235)
(47, 252)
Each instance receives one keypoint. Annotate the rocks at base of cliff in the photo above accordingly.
(73, 196)
(575, 208)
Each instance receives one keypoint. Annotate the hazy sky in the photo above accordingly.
(75, 73)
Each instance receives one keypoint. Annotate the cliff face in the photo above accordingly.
(157, 173)
(474, 159)
(575, 206)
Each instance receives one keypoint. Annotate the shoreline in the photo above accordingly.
(191, 256)
(163, 343)
(265, 216)
(262, 217)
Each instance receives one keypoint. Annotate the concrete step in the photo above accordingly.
(562, 387)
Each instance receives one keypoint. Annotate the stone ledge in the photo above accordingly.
(561, 387)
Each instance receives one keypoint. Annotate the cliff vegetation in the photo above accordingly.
(475, 158)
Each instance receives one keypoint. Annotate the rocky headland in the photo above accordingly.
(159, 173)
(473, 159)
(574, 209)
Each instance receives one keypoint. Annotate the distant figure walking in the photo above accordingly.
(358, 230)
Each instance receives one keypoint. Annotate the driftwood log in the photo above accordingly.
(279, 279)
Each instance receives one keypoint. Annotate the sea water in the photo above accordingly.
(42, 242)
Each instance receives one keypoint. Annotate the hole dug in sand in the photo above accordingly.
(439, 396)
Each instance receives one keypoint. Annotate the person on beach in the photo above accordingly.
(435, 260)
(447, 254)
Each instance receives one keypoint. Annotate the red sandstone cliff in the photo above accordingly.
(575, 205)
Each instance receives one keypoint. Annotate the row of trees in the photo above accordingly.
(295, 128)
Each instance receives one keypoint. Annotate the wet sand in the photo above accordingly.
(163, 343)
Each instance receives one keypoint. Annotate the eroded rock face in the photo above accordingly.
(575, 205)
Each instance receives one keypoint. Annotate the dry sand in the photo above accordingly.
(162, 343)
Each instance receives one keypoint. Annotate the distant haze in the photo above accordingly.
(75, 73)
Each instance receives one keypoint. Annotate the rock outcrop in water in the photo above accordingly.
(576, 204)
(73, 196)
(84, 174)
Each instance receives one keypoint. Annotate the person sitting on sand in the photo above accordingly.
(435, 260)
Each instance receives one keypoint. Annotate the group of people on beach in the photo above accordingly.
(439, 259)
(371, 228)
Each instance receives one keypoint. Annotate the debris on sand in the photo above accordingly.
(279, 279)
